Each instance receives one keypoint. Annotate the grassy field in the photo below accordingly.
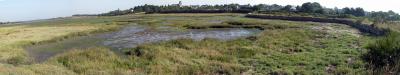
(284, 47)
(15, 37)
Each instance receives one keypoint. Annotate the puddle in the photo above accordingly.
(132, 36)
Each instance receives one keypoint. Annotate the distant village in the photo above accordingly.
(175, 7)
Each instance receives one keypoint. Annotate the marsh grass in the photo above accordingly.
(285, 47)
(384, 54)
(91, 61)
(394, 26)
(34, 69)
(288, 51)
(15, 37)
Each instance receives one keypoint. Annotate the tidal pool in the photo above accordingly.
(132, 36)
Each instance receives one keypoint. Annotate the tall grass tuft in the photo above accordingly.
(384, 54)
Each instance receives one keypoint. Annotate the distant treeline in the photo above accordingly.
(312, 8)
(7, 22)
(85, 15)
(358, 25)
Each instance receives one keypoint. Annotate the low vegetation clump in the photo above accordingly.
(384, 54)
(91, 61)
(34, 69)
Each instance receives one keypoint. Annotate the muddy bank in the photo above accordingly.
(227, 26)
(131, 36)
(362, 27)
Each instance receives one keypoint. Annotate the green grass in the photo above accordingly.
(284, 47)
(278, 51)
(383, 55)
(15, 37)
(91, 61)
(289, 51)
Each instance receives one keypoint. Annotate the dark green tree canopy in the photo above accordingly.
(311, 7)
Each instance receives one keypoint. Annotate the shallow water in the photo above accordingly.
(132, 36)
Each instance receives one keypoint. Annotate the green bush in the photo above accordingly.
(92, 61)
(384, 51)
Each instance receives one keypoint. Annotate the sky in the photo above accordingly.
(25, 10)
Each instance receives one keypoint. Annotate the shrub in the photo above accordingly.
(384, 52)
(91, 61)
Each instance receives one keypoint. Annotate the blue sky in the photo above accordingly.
(23, 10)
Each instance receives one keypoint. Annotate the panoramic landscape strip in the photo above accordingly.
(228, 39)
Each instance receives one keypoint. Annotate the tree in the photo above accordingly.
(311, 7)
(260, 7)
(337, 10)
(359, 12)
(381, 16)
(288, 8)
(329, 11)
(347, 10)
(354, 11)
